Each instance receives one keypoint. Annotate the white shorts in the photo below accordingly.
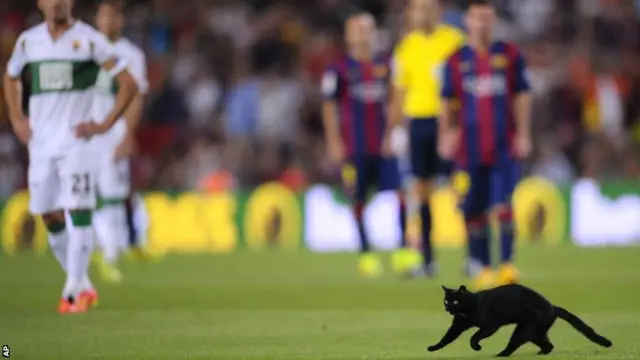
(113, 179)
(63, 182)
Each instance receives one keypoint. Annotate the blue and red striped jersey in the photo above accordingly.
(485, 85)
(360, 90)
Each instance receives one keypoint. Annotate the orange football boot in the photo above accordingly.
(67, 307)
(89, 297)
(508, 274)
(485, 279)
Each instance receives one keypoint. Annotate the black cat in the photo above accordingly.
(491, 309)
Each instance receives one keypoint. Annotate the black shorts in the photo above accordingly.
(423, 138)
(360, 174)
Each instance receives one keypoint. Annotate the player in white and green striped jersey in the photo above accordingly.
(112, 176)
(63, 56)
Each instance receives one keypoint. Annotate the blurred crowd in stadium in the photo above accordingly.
(235, 99)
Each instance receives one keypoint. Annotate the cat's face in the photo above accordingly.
(458, 302)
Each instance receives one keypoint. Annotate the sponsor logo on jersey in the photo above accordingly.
(499, 61)
(485, 85)
(369, 92)
(380, 71)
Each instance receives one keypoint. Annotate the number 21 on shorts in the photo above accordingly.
(81, 183)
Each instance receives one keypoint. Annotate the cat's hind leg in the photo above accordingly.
(541, 339)
(521, 335)
(545, 345)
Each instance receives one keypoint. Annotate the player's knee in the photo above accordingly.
(81, 218)
(53, 217)
(54, 222)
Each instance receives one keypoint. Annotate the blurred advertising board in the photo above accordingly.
(320, 220)
(605, 213)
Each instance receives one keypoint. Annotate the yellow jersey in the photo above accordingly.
(418, 62)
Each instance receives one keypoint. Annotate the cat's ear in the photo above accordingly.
(446, 289)
(463, 289)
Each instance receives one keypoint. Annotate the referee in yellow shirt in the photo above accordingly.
(418, 60)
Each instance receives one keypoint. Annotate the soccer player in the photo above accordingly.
(63, 56)
(486, 126)
(355, 90)
(112, 173)
(418, 62)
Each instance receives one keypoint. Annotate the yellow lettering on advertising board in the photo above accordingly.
(538, 202)
(218, 215)
(191, 223)
(448, 222)
(208, 223)
(15, 214)
(273, 214)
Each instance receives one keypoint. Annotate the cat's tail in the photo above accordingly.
(582, 327)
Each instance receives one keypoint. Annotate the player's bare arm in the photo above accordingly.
(332, 131)
(448, 129)
(397, 97)
(522, 111)
(395, 116)
(132, 117)
(127, 90)
(133, 113)
(13, 97)
(330, 87)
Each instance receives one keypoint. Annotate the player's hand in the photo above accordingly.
(447, 144)
(126, 148)
(523, 146)
(395, 142)
(22, 129)
(89, 129)
(337, 152)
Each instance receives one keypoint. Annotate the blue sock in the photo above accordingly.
(131, 230)
(479, 243)
(362, 233)
(403, 223)
(484, 249)
(506, 238)
(425, 215)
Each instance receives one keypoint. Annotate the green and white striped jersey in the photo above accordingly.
(63, 76)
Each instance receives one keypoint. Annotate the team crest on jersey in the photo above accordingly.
(465, 66)
(76, 45)
(499, 61)
(380, 71)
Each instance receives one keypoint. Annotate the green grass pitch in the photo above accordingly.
(273, 306)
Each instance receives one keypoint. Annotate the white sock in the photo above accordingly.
(58, 244)
(105, 224)
(78, 256)
(120, 223)
(86, 283)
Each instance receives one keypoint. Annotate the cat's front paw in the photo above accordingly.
(433, 348)
(476, 346)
